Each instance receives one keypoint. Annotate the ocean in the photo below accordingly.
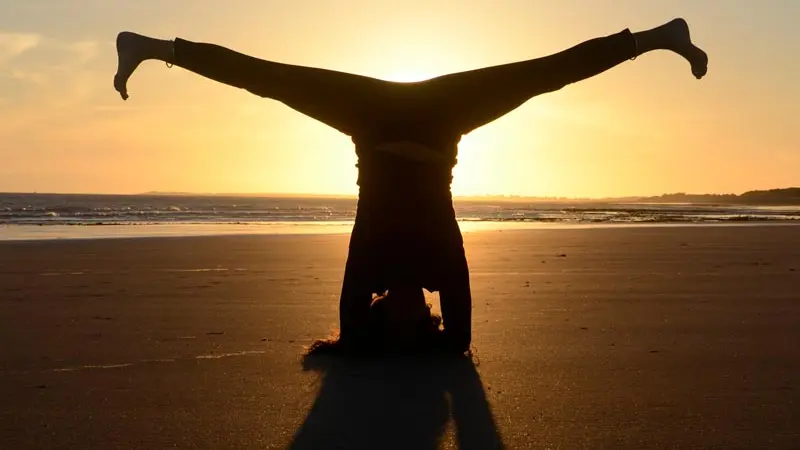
(36, 216)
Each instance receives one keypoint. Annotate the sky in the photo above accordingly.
(645, 127)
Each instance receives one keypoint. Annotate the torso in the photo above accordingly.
(405, 180)
(405, 223)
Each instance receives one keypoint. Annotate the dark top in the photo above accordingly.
(406, 231)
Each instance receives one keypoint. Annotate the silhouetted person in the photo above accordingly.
(405, 236)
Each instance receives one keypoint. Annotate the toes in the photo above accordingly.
(119, 86)
(700, 65)
(700, 73)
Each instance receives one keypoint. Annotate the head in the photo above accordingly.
(401, 319)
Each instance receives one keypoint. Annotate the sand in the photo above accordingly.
(642, 338)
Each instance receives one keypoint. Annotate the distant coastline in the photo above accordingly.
(782, 196)
(225, 210)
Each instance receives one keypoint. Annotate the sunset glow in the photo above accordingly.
(646, 127)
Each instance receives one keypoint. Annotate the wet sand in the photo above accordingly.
(663, 337)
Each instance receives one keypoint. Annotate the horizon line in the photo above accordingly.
(355, 196)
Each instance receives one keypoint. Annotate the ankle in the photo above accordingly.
(649, 40)
(162, 50)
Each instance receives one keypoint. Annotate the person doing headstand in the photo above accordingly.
(405, 237)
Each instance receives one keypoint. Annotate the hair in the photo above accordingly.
(394, 326)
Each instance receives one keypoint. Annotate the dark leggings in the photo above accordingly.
(454, 104)
(353, 104)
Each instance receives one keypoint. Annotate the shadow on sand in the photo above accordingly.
(397, 403)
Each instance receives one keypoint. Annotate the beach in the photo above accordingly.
(615, 337)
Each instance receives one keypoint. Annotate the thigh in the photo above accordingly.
(474, 98)
(468, 100)
(352, 104)
(345, 101)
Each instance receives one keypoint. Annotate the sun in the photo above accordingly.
(410, 75)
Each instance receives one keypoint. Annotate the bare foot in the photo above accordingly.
(132, 49)
(679, 36)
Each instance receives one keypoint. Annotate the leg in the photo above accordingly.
(472, 99)
(341, 100)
